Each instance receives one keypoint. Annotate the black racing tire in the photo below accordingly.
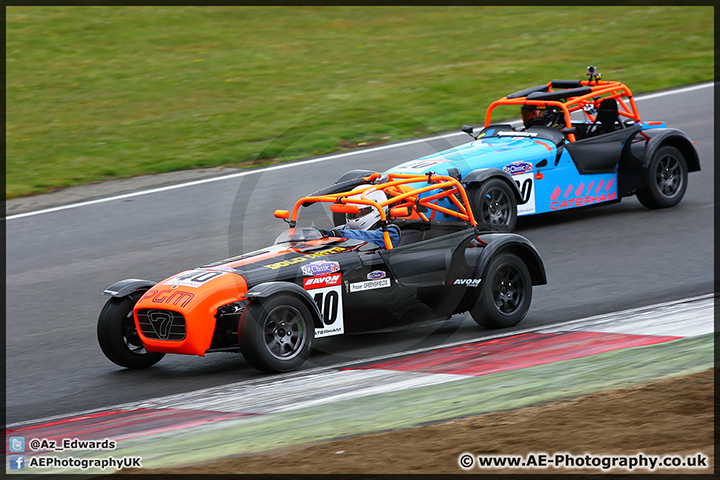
(276, 333)
(667, 179)
(118, 337)
(494, 203)
(505, 293)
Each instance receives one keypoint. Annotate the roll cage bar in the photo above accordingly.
(574, 96)
(403, 199)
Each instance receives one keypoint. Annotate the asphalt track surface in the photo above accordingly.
(598, 260)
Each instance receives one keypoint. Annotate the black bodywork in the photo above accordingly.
(422, 271)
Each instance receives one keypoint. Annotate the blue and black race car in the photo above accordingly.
(582, 143)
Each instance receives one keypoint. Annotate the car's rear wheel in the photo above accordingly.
(494, 203)
(118, 337)
(276, 333)
(667, 179)
(505, 293)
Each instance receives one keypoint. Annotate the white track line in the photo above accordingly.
(260, 382)
(650, 96)
(295, 164)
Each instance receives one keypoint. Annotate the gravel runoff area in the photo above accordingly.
(669, 416)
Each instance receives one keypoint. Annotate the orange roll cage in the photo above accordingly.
(400, 195)
(600, 90)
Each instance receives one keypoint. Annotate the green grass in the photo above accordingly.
(97, 93)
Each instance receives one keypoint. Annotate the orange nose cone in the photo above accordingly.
(178, 314)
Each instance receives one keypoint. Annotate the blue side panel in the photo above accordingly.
(563, 187)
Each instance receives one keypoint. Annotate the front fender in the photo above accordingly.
(516, 244)
(268, 289)
(123, 288)
(483, 174)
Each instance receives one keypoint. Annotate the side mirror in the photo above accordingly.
(566, 130)
(469, 130)
(342, 208)
(400, 212)
(284, 214)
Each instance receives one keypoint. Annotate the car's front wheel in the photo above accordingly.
(505, 293)
(118, 337)
(276, 333)
(494, 203)
(667, 179)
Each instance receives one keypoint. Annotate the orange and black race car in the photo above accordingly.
(270, 304)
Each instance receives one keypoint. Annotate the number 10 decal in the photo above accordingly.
(525, 184)
(329, 302)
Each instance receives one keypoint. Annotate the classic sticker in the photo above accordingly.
(517, 168)
(369, 285)
(320, 267)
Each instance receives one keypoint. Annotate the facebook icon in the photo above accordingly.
(17, 462)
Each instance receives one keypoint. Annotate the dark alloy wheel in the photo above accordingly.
(276, 334)
(505, 293)
(118, 337)
(494, 203)
(667, 179)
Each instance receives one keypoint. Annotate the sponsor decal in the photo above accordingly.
(194, 278)
(468, 282)
(579, 202)
(376, 275)
(309, 256)
(176, 298)
(320, 267)
(326, 332)
(516, 168)
(285, 263)
(325, 252)
(516, 134)
(324, 281)
(369, 285)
